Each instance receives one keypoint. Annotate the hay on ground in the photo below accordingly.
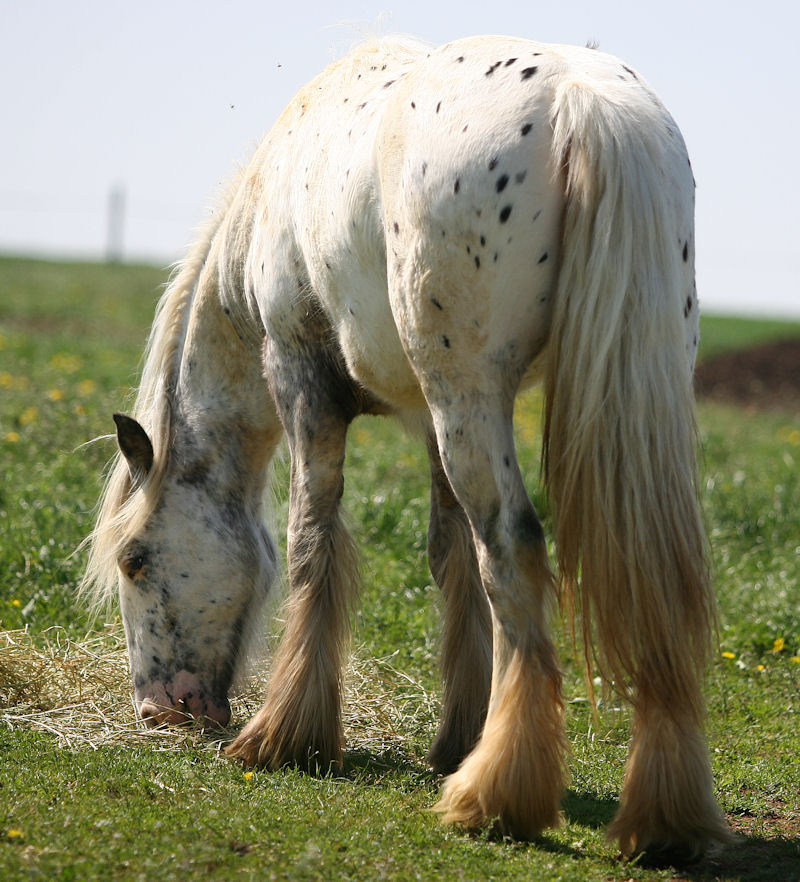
(80, 692)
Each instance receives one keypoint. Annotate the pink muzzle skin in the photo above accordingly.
(181, 700)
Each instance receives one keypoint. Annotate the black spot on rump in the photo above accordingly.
(528, 72)
(685, 251)
(526, 128)
(477, 262)
(502, 181)
(446, 342)
(509, 62)
(505, 213)
(543, 258)
(457, 185)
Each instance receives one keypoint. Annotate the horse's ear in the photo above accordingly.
(136, 447)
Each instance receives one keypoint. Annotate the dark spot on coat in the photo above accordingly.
(396, 227)
(528, 528)
(528, 72)
(483, 240)
(460, 58)
(685, 251)
(526, 128)
(436, 303)
(519, 177)
(505, 212)
(446, 342)
(493, 68)
(631, 72)
(493, 164)
(477, 262)
(543, 258)
(502, 181)
(457, 185)
(438, 106)
(509, 62)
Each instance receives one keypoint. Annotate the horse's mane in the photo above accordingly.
(121, 512)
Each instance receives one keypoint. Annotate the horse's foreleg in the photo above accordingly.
(467, 626)
(514, 775)
(301, 718)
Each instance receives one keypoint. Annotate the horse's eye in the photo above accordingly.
(133, 563)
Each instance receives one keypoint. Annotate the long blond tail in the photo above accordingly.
(620, 434)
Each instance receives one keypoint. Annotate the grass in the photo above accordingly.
(85, 793)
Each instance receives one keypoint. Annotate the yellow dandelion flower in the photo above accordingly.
(248, 776)
(12, 437)
(16, 602)
(729, 654)
(56, 395)
(29, 416)
(14, 833)
(80, 409)
(788, 434)
(86, 388)
(779, 645)
(760, 668)
(795, 659)
(66, 362)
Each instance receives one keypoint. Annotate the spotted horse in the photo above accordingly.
(423, 233)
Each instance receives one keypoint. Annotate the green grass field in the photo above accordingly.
(86, 794)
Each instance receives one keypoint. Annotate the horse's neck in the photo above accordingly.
(224, 415)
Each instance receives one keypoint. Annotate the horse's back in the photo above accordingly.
(413, 192)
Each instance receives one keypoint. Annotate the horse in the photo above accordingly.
(423, 233)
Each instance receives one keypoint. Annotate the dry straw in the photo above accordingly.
(79, 692)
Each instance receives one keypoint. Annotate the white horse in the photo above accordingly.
(422, 233)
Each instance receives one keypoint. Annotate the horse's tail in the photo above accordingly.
(620, 433)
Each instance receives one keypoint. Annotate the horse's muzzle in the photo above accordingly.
(182, 699)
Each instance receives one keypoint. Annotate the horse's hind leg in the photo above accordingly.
(301, 718)
(467, 628)
(514, 775)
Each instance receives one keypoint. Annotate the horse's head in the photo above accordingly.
(194, 563)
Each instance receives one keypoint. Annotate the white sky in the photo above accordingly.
(165, 97)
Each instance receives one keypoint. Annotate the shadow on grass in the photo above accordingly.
(378, 766)
(588, 809)
(753, 858)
